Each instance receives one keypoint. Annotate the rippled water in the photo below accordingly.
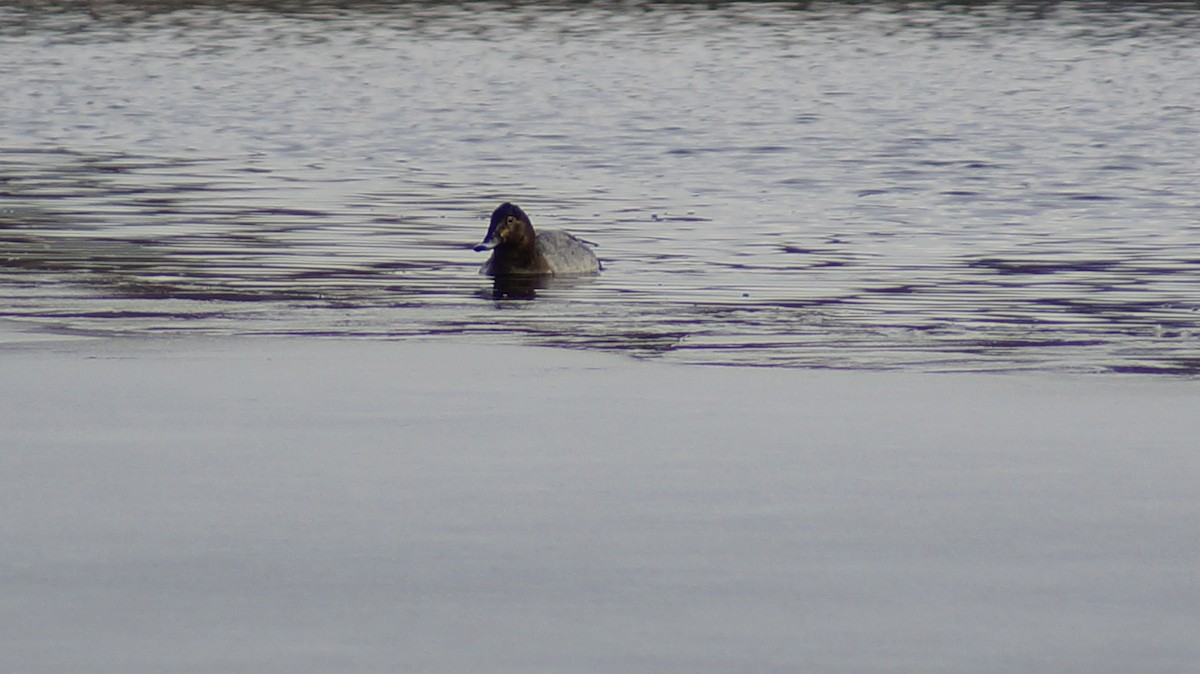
(1004, 186)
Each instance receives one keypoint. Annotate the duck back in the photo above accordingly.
(566, 254)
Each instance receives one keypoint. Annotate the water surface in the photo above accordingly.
(998, 187)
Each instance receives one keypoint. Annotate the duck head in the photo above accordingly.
(510, 228)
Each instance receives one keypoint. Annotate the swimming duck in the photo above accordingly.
(517, 249)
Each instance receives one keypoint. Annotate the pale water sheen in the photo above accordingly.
(1001, 187)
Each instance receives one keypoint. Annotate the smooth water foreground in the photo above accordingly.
(294, 506)
(998, 187)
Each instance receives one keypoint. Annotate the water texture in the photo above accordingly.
(992, 187)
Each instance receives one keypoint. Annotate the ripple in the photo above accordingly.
(769, 186)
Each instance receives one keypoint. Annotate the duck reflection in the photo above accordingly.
(519, 286)
(526, 286)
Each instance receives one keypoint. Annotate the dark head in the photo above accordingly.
(510, 228)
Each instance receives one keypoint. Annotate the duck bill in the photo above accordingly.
(487, 244)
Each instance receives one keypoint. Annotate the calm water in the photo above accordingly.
(866, 186)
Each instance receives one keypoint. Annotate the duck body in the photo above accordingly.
(519, 250)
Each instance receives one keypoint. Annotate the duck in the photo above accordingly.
(519, 250)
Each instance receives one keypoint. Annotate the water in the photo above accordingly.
(300, 505)
(996, 187)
